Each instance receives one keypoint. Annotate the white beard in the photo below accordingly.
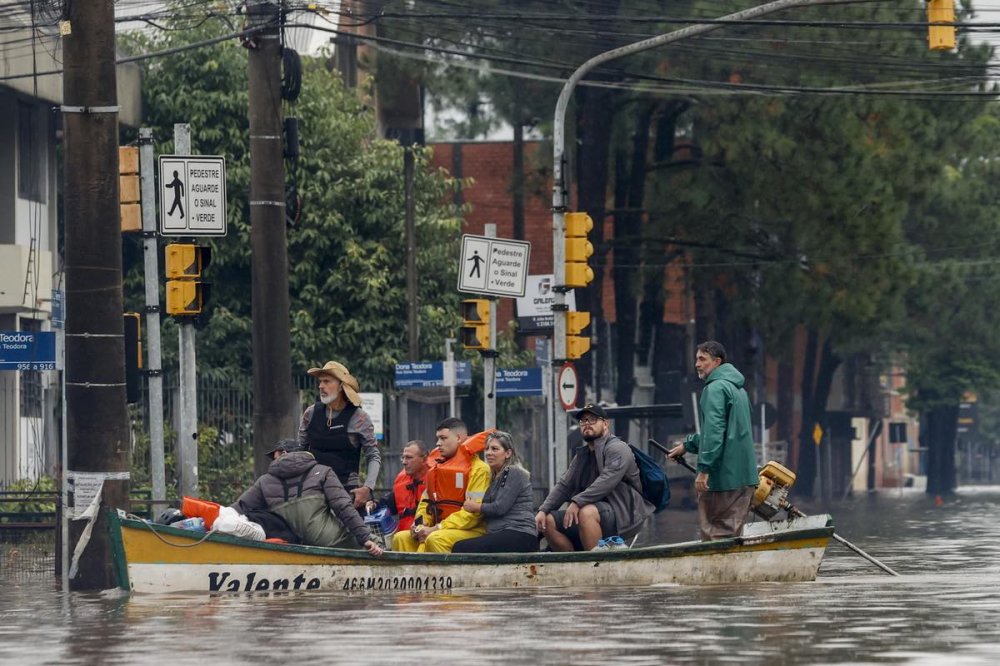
(327, 399)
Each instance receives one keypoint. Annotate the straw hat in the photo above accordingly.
(347, 380)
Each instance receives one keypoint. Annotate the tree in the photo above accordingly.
(347, 253)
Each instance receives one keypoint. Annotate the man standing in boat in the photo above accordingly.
(456, 475)
(408, 487)
(339, 433)
(602, 487)
(727, 464)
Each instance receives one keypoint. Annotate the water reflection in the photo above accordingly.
(943, 608)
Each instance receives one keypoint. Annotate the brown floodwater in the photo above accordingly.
(944, 608)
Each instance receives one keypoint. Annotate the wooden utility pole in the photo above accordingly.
(96, 414)
(274, 408)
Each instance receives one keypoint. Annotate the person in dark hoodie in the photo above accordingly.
(727, 464)
(310, 498)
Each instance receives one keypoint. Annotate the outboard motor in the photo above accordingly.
(772, 491)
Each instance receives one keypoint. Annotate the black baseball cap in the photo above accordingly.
(596, 410)
(285, 445)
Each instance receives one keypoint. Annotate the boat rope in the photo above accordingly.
(170, 543)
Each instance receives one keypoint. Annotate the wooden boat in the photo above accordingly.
(157, 558)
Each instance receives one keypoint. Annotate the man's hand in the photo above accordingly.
(701, 482)
(472, 506)
(572, 516)
(677, 451)
(373, 548)
(422, 532)
(540, 519)
(361, 495)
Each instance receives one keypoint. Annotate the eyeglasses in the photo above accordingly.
(589, 420)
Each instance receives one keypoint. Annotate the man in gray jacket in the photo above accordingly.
(310, 498)
(602, 486)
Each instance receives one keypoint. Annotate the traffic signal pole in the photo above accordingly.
(187, 428)
(560, 193)
(490, 357)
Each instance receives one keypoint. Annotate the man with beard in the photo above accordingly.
(339, 433)
(602, 486)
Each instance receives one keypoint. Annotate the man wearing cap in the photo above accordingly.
(309, 498)
(602, 486)
(727, 462)
(339, 433)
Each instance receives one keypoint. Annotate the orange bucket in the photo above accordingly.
(195, 508)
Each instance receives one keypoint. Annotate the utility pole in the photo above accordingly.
(274, 408)
(560, 186)
(97, 420)
(154, 365)
(412, 326)
(187, 427)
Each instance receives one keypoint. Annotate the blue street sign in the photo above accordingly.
(516, 382)
(22, 350)
(58, 309)
(430, 374)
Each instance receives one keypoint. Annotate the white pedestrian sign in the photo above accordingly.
(493, 266)
(192, 195)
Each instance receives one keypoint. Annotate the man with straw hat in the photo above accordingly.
(339, 433)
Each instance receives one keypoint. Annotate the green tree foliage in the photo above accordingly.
(347, 254)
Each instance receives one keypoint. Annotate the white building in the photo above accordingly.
(30, 224)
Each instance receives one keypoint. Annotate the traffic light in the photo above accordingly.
(128, 189)
(133, 357)
(475, 332)
(185, 264)
(578, 250)
(577, 345)
(941, 37)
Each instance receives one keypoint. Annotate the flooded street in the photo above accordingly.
(945, 608)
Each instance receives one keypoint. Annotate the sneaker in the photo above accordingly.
(611, 543)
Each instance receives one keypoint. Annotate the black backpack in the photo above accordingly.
(655, 485)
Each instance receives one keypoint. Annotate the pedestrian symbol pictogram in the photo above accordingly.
(192, 195)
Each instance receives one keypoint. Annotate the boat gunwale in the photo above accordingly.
(657, 551)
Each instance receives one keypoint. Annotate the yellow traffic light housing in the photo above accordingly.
(186, 297)
(941, 37)
(184, 264)
(577, 345)
(128, 189)
(578, 250)
(475, 331)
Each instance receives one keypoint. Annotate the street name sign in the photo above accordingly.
(23, 350)
(517, 382)
(430, 374)
(192, 195)
(493, 266)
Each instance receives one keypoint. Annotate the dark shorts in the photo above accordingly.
(609, 527)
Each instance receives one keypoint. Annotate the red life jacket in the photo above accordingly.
(406, 491)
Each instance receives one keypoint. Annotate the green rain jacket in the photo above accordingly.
(725, 444)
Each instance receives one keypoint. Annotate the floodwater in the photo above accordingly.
(944, 608)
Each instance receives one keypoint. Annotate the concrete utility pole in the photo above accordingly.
(560, 189)
(274, 408)
(97, 419)
(154, 365)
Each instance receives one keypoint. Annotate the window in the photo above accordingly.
(31, 151)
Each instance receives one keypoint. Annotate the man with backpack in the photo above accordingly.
(602, 486)
(727, 463)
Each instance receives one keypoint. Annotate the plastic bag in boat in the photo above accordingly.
(230, 521)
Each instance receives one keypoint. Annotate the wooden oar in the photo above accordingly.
(787, 506)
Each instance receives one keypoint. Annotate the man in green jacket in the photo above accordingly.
(727, 464)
